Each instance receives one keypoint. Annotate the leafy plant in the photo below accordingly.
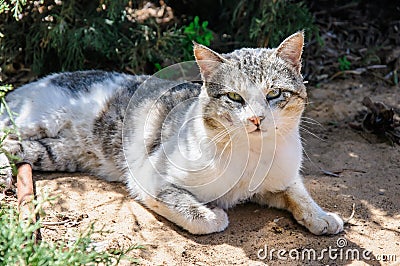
(185, 36)
(16, 7)
(3, 104)
(267, 22)
(344, 64)
(71, 35)
(198, 33)
(195, 32)
(52, 36)
(18, 247)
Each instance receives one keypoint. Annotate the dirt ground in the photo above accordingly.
(368, 176)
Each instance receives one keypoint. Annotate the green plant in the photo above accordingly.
(51, 36)
(195, 32)
(267, 22)
(184, 37)
(18, 247)
(344, 64)
(16, 7)
(71, 35)
(198, 33)
(3, 104)
(395, 77)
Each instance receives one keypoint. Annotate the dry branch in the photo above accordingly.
(25, 193)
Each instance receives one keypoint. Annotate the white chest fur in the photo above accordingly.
(243, 170)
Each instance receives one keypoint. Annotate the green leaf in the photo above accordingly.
(158, 66)
(196, 20)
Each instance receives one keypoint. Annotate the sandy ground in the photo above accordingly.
(368, 177)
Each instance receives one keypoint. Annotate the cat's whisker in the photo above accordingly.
(311, 123)
(307, 126)
(311, 119)
(221, 135)
(307, 120)
(304, 140)
(308, 157)
(227, 144)
(311, 133)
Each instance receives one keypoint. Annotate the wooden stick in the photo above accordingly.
(25, 193)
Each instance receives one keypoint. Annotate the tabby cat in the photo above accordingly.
(186, 150)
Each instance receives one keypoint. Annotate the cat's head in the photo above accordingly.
(259, 90)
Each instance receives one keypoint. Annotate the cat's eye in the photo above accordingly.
(235, 97)
(273, 94)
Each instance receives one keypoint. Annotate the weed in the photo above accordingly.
(198, 33)
(18, 247)
(344, 64)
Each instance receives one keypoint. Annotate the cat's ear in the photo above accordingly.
(207, 59)
(291, 49)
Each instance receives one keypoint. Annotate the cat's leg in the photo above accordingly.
(181, 207)
(47, 154)
(6, 178)
(305, 210)
(9, 146)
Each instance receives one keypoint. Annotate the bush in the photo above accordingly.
(60, 35)
(265, 23)
(135, 36)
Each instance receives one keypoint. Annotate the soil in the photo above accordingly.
(343, 168)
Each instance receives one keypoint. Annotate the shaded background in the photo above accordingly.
(41, 37)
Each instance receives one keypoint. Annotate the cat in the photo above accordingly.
(186, 150)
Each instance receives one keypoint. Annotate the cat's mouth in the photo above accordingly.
(257, 130)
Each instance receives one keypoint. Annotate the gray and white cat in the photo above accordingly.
(187, 151)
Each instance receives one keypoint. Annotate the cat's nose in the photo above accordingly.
(256, 120)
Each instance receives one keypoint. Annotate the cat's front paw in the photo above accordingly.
(212, 221)
(323, 223)
(6, 178)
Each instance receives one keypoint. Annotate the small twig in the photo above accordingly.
(329, 173)
(55, 223)
(25, 191)
(351, 215)
(25, 194)
(357, 71)
(383, 79)
(353, 170)
(376, 67)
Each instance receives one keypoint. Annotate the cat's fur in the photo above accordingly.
(186, 151)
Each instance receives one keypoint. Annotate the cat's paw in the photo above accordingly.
(323, 223)
(212, 221)
(6, 177)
